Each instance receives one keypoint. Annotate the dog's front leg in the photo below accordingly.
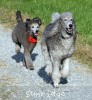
(65, 68)
(28, 60)
(56, 73)
(47, 58)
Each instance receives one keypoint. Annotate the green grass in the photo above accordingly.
(82, 10)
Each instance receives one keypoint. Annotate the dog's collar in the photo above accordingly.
(32, 40)
(66, 37)
(63, 37)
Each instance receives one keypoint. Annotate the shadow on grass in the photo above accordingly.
(19, 57)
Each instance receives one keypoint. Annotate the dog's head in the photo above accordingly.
(33, 25)
(68, 22)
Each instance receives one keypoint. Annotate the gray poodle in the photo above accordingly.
(58, 44)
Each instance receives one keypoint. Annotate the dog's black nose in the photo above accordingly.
(36, 31)
(70, 25)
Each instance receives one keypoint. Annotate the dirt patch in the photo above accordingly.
(2, 63)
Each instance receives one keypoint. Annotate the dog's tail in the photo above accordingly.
(19, 17)
(54, 16)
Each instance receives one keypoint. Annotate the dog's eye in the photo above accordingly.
(32, 26)
(71, 19)
(37, 26)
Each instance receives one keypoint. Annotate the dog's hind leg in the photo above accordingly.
(24, 62)
(47, 58)
(28, 60)
(17, 44)
(17, 47)
(56, 73)
(65, 68)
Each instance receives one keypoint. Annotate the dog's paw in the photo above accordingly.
(17, 50)
(64, 74)
(31, 67)
(56, 85)
(48, 70)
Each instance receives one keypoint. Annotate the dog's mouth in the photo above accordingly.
(69, 30)
(36, 34)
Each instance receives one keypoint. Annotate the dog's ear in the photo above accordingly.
(37, 20)
(28, 22)
(55, 16)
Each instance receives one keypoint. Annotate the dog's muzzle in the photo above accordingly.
(36, 33)
(70, 29)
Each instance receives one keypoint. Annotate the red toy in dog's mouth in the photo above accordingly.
(32, 40)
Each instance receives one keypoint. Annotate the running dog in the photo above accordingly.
(25, 34)
(58, 44)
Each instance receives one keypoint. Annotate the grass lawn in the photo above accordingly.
(82, 11)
